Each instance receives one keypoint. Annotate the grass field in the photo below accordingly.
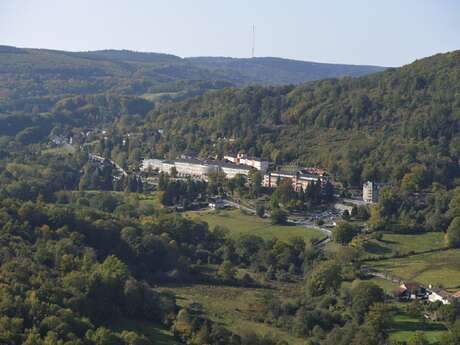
(392, 244)
(60, 150)
(404, 327)
(386, 285)
(239, 224)
(157, 334)
(235, 308)
(432, 268)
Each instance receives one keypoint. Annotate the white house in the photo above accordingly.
(439, 295)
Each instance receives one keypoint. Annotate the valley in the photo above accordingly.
(152, 199)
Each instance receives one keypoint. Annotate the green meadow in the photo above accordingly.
(405, 326)
(239, 224)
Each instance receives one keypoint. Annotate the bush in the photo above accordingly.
(453, 233)
(344, 232)
(278, 216)
(260, 210)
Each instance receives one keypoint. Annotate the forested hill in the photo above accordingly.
(277, 71)
(41, 72)
(376, 126)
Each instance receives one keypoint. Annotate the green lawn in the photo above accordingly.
(404, 327)
(236, 308)
(239, 224)
(392, 244)
(432, 268)
(157, 334)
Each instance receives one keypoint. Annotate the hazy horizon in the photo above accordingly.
(387, 34)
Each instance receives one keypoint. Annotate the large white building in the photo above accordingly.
(243, 159)
(195, 168)
(231, 170)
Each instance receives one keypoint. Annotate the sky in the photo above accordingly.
(385, 32)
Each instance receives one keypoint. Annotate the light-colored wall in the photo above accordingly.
(232, 172)
(434, 297)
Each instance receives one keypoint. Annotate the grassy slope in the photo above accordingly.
(157, 334)
(431, 268)
(404, 327)
(234, 308)
(239, 224)
(392, 244)
(427, 268)
(386, 285)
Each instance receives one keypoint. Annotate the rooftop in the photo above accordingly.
(231, 165)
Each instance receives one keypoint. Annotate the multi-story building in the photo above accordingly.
(195, 168)
(231, 170)
(371, 191)
(151, 165)
(299, 179)
(243, 159)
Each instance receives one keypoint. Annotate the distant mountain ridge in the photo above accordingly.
(279, 71)
(26, 72)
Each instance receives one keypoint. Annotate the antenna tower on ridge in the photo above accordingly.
(253, 39)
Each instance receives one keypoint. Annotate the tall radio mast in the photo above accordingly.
(253, 39)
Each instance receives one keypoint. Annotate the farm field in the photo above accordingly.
(431, 268)
(404, 327)
(392, 244)
(241, 224)
(236, 308)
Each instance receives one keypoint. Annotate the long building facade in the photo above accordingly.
(243, 159)
(231, 167)
(195, 168)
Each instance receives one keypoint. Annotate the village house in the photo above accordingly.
(439, 295)
(456, 295)
(410, 291)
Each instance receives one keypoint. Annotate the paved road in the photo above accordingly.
(241, 207)
(312, 225)
(102, 159)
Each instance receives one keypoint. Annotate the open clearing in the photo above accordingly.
(234, 307)
(437, 268)
(394, 244)
(156, 333)
(240, 224)
(405, 326)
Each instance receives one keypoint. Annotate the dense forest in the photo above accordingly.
(39, 72)
(374, 127)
